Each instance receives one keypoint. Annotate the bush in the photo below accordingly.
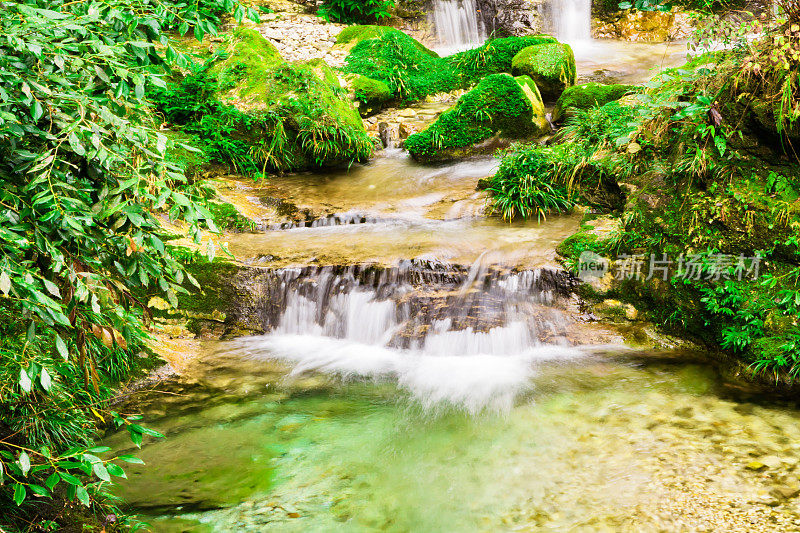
(356, 11)
(523, 186)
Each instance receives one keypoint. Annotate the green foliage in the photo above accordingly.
(589, 95)
(192, 104)
(85, 177)
(522, 188)
(259, 113)
(356, 11)
(361, 32)
(496, 105)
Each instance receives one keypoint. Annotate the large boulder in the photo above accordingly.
(589, 95)
(498, 109)
(370, 95)
(412, 72)
(550, 65)
(298, 116)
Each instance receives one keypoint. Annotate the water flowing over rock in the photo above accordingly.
(458, 24)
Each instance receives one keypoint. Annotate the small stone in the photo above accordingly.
(771, 461)
(407, 113)
(756, 466)
(784, 492)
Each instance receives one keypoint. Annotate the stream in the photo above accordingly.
(430, 369)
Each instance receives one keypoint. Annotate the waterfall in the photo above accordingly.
(572, 20)
(448, 334)
(458, 24)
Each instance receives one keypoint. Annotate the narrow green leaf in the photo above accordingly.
(25, 380)
(101, 471)
(131, 459)
(82, 495)
(61, 348)
(45, 380)
(5, 283)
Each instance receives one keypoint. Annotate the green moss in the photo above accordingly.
(497, 106)
(370, 94)
(411, 72)
(550, 65)
(494, 57)
(295, 115)
(352, 35)
(248, 53)
(401, 63)
(359, 32)
(589, 95)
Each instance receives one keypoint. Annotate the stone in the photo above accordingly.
(756, 466)
(588, 95)
(550, 65)
(784, 492)
(498, 109)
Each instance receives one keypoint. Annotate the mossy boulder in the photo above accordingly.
(370, 95)
(297, 114)
(588, 95)
(494, 57)
(550, 65)
(352, 35)
(499, 108)
(412, 72)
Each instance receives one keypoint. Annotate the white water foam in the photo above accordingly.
(470, 382)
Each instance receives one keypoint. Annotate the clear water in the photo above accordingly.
(460, 396)
(635, 442)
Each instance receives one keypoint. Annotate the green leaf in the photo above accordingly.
(69, 478)
(24, 463)
(101, 472)
(52, 288)
(39, 490)
(82, 495)
(19, 494)
(5, 283)
(116, 470)
(52, 480)
(44, 379)
(131, 459)
(25, 380)
(61, 348)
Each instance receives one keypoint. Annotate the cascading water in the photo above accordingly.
(465, 337)
(458, 24)
(571, 20)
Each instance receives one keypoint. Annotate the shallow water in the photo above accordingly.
(595, 442)
(455, 387)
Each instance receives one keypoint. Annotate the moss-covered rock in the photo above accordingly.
(352, 35)
(412, 72)
(589, 95)
(498, 108)
(494, 57)
(550, 65)
(370, 95)
(297, 114)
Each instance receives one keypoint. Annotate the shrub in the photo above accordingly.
(356, 11)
